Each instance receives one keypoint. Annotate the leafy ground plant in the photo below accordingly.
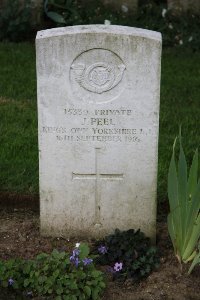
(59, 274)
(184, 200)
(129, 254)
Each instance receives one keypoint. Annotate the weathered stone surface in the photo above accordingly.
(98, 107)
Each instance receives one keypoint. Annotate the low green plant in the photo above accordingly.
(177, 30)
(57, 274)
(184, 200)
(129, 254)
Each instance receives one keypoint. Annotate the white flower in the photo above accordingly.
(124, 8)
(190, 39)
(180, 42)
(170, 26)
(107, 22)
(164, 11)
(77, 245)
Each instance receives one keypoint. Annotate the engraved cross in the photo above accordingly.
(97, 176)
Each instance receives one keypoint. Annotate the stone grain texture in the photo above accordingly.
(98, 109)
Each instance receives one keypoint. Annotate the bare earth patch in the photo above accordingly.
(20, 237)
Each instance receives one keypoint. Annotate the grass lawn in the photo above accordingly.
(180, 104)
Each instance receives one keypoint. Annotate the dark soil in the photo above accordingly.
(20, 237)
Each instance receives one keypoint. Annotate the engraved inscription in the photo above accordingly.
(98, 125)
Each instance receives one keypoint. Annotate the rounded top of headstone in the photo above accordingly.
(109, 29)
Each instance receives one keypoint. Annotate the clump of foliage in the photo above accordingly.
(177, 30)
(15, 20)
(129, 254)
(184, 200)
(63, 12)
(59, 274)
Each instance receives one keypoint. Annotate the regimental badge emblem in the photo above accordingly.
(99, 77)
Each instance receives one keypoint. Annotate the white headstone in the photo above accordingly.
(98, 107)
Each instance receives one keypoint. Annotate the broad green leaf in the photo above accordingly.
(84, 251)
(96, 273)
(65, 297)
(87, 290)
(59, 291)
(26, 282)
(102, 284)
(57, 18)
(56, 273)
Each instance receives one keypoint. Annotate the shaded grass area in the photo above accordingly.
(17, 71)
(180, 104)
(18, 146)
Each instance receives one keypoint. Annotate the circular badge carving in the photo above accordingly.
(97, 74)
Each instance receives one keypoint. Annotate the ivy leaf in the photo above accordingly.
(84, 250)
(87, 290)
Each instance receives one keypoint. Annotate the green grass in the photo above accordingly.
(180, 104)
(17, 71)
(18, 150)
(18, 115)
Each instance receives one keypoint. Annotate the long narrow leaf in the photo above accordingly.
(184, 200)
(192, 219)
(174, 199)
(195, 235)
(192, 181)
(172, 230)
(173, 182)
(192, 188)
(194, 263)
(182, 189)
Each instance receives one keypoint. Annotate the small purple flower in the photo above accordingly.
(87, 261)
(102, 249)
(72, 258)
(76, 261)
(10, 281)
(118, 266)
(76, 252)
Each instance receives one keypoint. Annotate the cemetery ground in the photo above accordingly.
(19, 215)
(19, 237)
